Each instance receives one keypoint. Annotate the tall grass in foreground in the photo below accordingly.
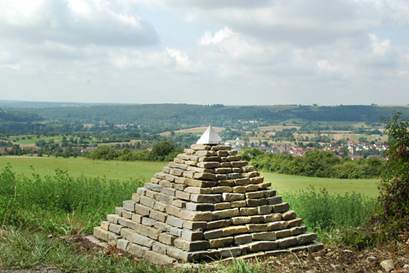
(52, 202)
(336, 218)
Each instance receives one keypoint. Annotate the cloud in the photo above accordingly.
(75, 22)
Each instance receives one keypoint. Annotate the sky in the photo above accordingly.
(232, 52)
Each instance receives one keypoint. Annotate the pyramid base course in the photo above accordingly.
(207, 204)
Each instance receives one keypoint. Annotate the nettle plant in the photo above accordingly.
(394, 187)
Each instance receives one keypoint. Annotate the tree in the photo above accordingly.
(394, 188)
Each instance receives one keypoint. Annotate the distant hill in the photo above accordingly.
(216, 115)
(40, 104)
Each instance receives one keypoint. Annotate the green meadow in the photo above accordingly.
(124, 171)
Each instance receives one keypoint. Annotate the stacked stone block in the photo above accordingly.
(207, 203)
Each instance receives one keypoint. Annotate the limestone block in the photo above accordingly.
(176, 231)
(183, 156)
(264, 236)
(220, 176)
(234, 158)
(264, 185)
(194, 225)
(236, 170)
(238, 164)
(196, 215)
(180, 180)
(170, 177)
(221, 189)
(218, 224)
(257, 227)
(183, 255)
(289, 215)
(148, 202)
(179, 187)
(160, 206)
(190, 235)
(229, 252)
(221, 242)
(197, 190)
(142, 240)
(208, 165)
(222, 170)
(283, 233)
(146, 221)
(136, 197)
(272, 217)
(225, 164)
(257, 219)
(315, 247)
(243, 239)
(280, 208)
(240, 220)
(241, 181)
(126, 222)
(247, 169)
(228, 213)
(204, 176)
(231, 230)
(166, 169)
(161, 175)
(164, 198)
(167, 188)
(150, 232)
(287, 242)
(137, 218)
(182, 195)
(205, 153)
(256, 202)
(115, 228)
(200, 206)
(160, 248)
(261, 246)
(166, 238)
(222, 153)
(174, 221)
(191, 246)
(298, 230)
(153, 187)
(266, 209)
(157, 215)
(248, 211)
(269, 193)
(255, 195)
(234, 175)
(306, 238)
(155, 180)
(294, 222)
(239, 189)
(127, 233)
(172, 210)
(250, 174)
(199, 170)
(137, 250)
(212, 234)
(162, 226)
(101, 233)
(277, 225)
(122, 244)
(257, 180)
(228, 197)
(238, 204)
(119, 210)
(223, 205)
(206, 198)
(274, 200)
(226, 182)
(199, 183)
(251, 187)
(127, 214)
(157, 258)
(179, 203)
(113, 218)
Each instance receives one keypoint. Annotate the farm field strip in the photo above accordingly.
(120, 170)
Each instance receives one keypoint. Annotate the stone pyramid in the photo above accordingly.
(206, 204)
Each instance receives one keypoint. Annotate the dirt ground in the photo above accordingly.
(330, 259)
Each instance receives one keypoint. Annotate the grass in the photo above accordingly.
(118, 170)
(144, 171)
(292, 183)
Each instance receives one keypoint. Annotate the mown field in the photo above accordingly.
(124, 171)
